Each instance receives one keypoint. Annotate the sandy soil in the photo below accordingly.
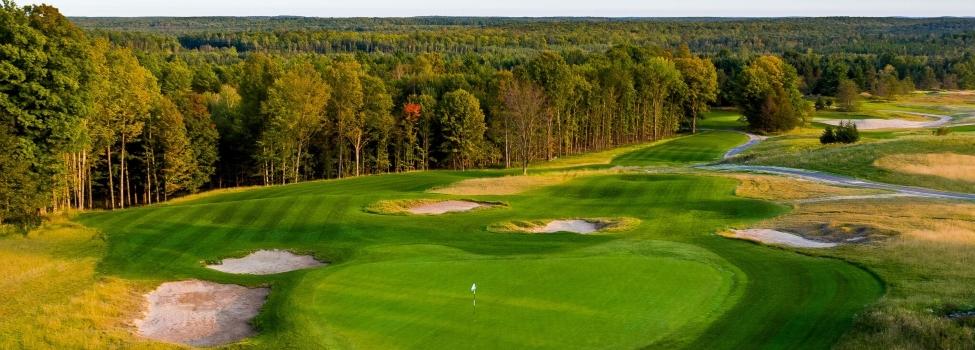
(768, 236)
(444, 207)
(266, 262)
(200, 313)
(872, 124)
(576, 226)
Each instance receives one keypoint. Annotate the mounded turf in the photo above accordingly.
(403, 281)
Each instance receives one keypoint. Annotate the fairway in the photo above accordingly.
(403, 281)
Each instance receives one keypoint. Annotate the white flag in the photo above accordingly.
(474, 288)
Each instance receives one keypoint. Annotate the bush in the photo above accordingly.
(828, 136)
(942, 131)
(846, 132)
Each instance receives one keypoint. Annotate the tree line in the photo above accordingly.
(95, 119)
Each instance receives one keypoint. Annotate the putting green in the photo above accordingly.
(403, 281)
(600, 301)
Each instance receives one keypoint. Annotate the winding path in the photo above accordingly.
(752, 141)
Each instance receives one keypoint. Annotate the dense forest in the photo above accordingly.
(116, 112)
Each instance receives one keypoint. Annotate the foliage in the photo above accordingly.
(770, 98)
(942, 131)
(845, 132)
(295, 107)
(462, 123)
(847, 96)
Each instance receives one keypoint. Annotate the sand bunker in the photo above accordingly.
(576, 226)
(267, 262)
(200, 313)
(871, 124)
(581, 226)
(768, 236)
(442, 207)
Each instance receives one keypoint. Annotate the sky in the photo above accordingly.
(533, 8)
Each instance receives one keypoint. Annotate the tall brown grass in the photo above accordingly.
(52, 298)
(947, 165)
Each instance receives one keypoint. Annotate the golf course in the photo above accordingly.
(402, 281)
(505, 175)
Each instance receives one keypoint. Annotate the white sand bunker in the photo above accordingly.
(769, 236)
(442, 207)
(575, 225)
(201, 313)
(267, 262)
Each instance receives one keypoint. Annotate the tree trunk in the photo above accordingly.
(358, 150)
(111, 181)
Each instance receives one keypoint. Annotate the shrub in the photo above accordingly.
(846, 132)
(828, 136)
(942, 131)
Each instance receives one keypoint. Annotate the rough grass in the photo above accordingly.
(604, 224)
(926, 263)
(513, 184)
(52, 298)
(858, 160)
(597, 158)
(780, 188)
(952, 166)
(927, 267)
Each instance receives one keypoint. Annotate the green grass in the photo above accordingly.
(703, 147)
(722, 119)
(402, 281)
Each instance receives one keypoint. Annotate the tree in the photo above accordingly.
(177, 163)
(232, 150)
(770, 99)
(658, 82)
(44, 67)
(123, 107)
(296, 105)
(550, 71)
(525, 105)
(203, 137)
(19, 199)
(377, 108)
(347, 101)
(701, 79)
(847, 95)
(463, 128)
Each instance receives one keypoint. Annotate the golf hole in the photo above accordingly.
(200, 313)
(267, 262)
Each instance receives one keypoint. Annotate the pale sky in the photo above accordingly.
(540, 8)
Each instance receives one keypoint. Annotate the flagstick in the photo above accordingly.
(474, 306)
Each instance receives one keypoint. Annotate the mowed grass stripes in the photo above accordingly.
(403, 281)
